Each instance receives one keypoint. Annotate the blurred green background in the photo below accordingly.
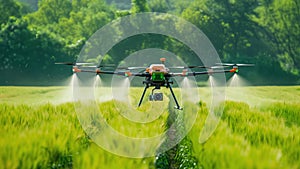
(35, 34)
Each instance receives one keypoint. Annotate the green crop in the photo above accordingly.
(40, 131)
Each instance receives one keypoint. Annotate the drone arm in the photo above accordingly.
(120, 73)
(97, 71)
(141, 74)
(209, 72)
(184, 74)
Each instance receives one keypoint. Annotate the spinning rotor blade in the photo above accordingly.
(186, 67)
(73, 63)
(235, 64)
(91, 66)
(218, 67)
(207, 67)
(131, 68)
(65, 63)
(243, 64)
(84, 64)
(107, 65)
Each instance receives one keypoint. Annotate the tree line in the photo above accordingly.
(264, 32)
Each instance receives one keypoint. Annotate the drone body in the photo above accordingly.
(157, 75)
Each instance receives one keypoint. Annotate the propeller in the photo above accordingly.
(107, 65)
(131, 68)
(207, 67)
(85, 64)
(235, 64)
(65, 63)
(73, 63)
(186, 67)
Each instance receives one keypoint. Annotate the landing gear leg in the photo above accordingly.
(176, 102)
(141, 100)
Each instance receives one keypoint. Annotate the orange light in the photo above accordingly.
(127, 74)
(184, 71)
(233, 70)
(98, 71)
(75, 69)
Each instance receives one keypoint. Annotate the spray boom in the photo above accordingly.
(156, 75)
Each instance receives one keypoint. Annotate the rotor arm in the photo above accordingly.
(97, 71)
(120, 73)
(209, 72)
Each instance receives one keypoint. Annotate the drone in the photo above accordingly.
(156, 75)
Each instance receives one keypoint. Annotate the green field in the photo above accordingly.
(260, 128)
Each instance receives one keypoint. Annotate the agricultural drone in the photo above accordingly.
(156, 75)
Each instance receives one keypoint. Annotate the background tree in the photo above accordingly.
(9, 8)
(227, 24)
(237, 36)
(139, 6)
(159, 6)
(50, 12)
(69, 20)
(30, 63)
(281, 20)
(265, 32)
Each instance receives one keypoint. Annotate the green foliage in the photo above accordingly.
(248, 31)
(159, 6)
(227, 24)
(265, 32)
(43, 135)
(248, 138)
(27, 126)
(258, 127)
(9, 8)
(281, 20)
(69, 20)
(29, 61)
(51, 11)
(180, 156)
(56, 32)
(139, 6)
(120, 4)
(49, 136)
(184, 156)
(289, 112)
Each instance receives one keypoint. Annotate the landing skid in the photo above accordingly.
(167, 86)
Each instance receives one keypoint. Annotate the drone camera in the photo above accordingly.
(156, 97)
